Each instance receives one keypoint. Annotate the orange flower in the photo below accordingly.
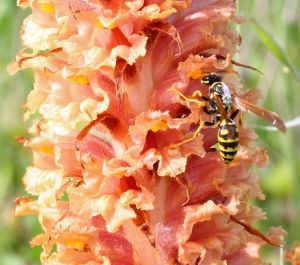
(294, 255)
(112, 187)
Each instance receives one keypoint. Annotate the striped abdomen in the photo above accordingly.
(228, 139)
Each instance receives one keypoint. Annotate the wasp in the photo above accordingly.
(228, 134)
(218, 89)
(221, 102)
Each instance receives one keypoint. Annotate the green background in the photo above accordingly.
(280, 180)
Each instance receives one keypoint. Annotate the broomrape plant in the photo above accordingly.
(108, 183)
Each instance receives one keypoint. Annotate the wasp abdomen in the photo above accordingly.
(228, 140)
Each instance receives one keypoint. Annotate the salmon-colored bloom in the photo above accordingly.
(111, 186)
(294, 255)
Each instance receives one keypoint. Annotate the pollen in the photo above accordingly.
(75, 243)
(195, 74)
(161, 125)
(80, 79)
(47, 150)
(112, 26)
(48, 8)
(119, 175)
(101, 26)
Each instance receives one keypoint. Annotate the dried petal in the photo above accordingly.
(124, 171)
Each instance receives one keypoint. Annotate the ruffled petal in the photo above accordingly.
(125, 167)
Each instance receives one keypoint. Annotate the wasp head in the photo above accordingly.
(209, 79)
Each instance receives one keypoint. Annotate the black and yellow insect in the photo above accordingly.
(218, 89)
(228, 140)
(221, 103)
(228, 134)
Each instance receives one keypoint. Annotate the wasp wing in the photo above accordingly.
(221, 110)
(269, 116)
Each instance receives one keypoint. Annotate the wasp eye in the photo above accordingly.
(206, 80)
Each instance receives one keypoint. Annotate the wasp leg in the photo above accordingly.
(190, 139)
(191, 98)
(216, 120)
(203, 124)
(233, 115)
(209, 111)
(198, 93)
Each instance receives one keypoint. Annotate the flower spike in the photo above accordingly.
(125, 168)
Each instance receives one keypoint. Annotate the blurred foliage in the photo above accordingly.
(280, 180)
(276, 23)
(14, 158)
